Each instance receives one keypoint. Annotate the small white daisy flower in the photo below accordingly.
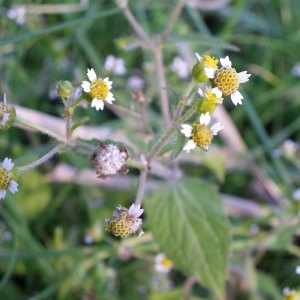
(297, 270)
(227, 80)
(115, 65)
(180, 67)
(99, 89)
(162, 264)
(6, 182)
(17, 13)
(200, 134)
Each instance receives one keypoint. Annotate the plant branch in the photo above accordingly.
(41, 160)
(173, 19)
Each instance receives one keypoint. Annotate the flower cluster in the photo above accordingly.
(223, 81)
(126, 221)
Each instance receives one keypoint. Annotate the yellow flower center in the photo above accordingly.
(227, 80)
(99, 89)
(167, 263)
(209, 61)
(4, 179)
(202, 135)
(122, 227)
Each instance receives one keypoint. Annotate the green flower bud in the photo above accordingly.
(65, 90)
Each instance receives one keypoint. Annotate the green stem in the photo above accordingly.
(52, 134)
(135, 164)
(185, 98)
(68, 114)
(41, 160)
(141, 189)
(168, 134)
(176, 12)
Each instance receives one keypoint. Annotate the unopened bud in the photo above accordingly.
(65, 90)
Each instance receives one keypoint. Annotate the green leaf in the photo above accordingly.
(79, 123)
(178, 146)
(215, 160)
(187, 221)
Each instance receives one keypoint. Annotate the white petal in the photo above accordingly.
(225, 62)
(86, 86)
(13, 187)
(243, 76)
(201, 93)
(216, 128)
(135, 211)
(198, 56)
(204, 119)
(217, 92)
(210, 72)
(91, 74)
(5, 118)
(189, 146)
(236, 97)
(109, 83)
(98, 104)
(109, 98)
(2, 194)
(186, 130)
(7, 164)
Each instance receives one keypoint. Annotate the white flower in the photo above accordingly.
(162, 264)
(115, 65)
(180, 67)
(99, 89)
(227, 80)
(296, 194)
(297, 271)
(135, 211)
(5, 118)
(135, 82)
(17, 13)
(296, 70)
(5, 178)
(187, 130)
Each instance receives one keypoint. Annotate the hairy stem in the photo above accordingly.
(42, 159)
(20, 121)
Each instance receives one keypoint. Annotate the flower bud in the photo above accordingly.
(65, 90)
(199, 72)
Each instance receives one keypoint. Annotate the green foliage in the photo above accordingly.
(192, 231)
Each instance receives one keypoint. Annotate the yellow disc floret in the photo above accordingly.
(227, 80)
(202, 135)
(99, 89)
(209, 102)
(4, 179)
(210, 61)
